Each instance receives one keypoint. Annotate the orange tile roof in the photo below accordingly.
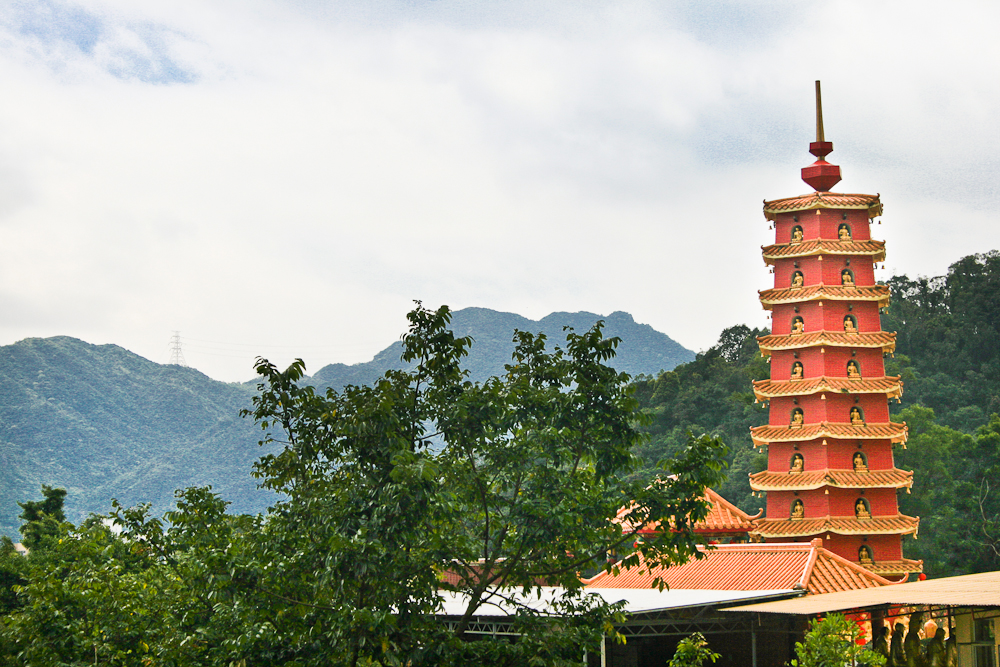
(899, 524)
(896, 567)
(772, 297)
(723, 518)
(841, 479)
(762, 435)
(824, 247)
(749, 567)
(823, 200)
(883, 339)
(888, 385)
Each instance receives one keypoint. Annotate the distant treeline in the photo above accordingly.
(948, 354)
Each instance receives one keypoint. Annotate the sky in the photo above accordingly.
(283, 179)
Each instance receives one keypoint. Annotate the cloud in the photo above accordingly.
(284, 178)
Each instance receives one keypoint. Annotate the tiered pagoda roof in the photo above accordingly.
(893, 478)
(824, 247)
(773, 297)
(751, 567)
(723, 519)
(899, 524)
(892, 431)
(817, 200)
(889, 385)
(872, 339)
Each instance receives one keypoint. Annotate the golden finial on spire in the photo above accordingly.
(819, 115)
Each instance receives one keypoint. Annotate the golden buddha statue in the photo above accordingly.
(797, 370)
(797, 235)
(849, 326)
(856, 418)
(865, 555)
(846, 279)
(798, 463)
(798, 510)
(859, 462)
(853, 370)
(861, 510)
(798, 418)
(798, 280)
(799, 325)
(844, 233)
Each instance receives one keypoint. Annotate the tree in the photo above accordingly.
(693, 651)
(421, 485)
(833, 642)
(42, 517)
(503, 486)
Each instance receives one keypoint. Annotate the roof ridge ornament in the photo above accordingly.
(820, 175)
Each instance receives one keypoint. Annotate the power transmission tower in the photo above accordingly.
(176, 353)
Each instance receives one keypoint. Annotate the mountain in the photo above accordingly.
(643, 350)
(105, 423)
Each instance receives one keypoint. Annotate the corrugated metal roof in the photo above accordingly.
(636, 601)
(758, 566)
(970, 590)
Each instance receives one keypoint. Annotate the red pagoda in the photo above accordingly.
(830, 472)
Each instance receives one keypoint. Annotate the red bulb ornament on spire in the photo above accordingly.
(820, 175)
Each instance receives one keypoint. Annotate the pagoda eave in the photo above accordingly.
(873, 339)
(899, 524)
(791, 295)
(765, 390)
(842, 479)
(891, 567)
(895, 433)
(820, 247)
(816, 200)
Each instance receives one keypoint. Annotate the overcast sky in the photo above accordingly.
(284, 178)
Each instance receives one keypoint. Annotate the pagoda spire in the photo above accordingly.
(820, 175)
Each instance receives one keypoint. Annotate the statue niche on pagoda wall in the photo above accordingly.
(857, 419)
(797, 235)
(844, 232)
(798, 418)
(865, 556)
(798, 280)
(861, 509)
(798, 463)
(798, 325)
(850, 324)
(859, 463)
(798, 509)
(798, 370)
(853, 370)
(847, 278)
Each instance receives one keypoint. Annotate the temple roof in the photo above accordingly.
(901, 566)
(891, 386)
(824, 247)
(772, 297)
(841, 479)
(759, 566)
(883, 339)
(762, 435)
(898, 524)
(723, 518)
(817, 200)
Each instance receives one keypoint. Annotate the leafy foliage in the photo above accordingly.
(711, 394)
(389, 493)
(693, 651)
(833, 642)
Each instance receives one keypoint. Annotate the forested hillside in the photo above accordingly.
(103, 422)
(948, 353)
